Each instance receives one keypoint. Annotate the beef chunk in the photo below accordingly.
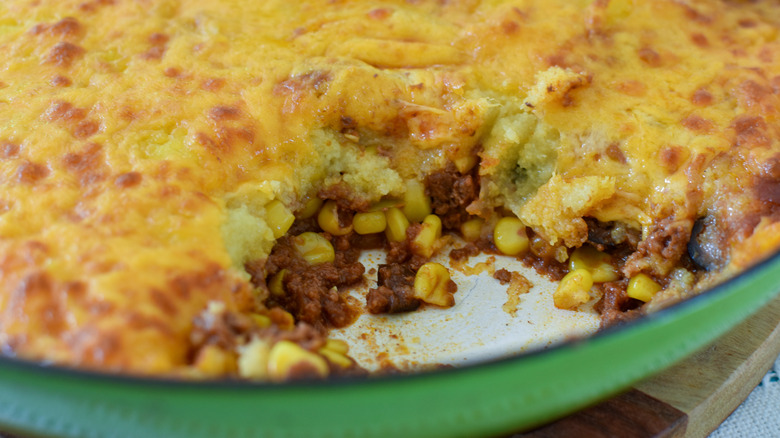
(395, 292)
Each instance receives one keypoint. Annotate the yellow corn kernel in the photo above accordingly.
(336, 358)
(314, 248)
(310, 208)
(471, 230)
(287, 359)
(276, 285)
(464, 164)
(595, 261)
(253, 359)
(397, 223)
(417, 205)
(328, 219)
(261, 321)
(509, 236)
(335, 351)
(642, 287)
(214, 361)
(337, 345)
(432, 285)
(278, 217)
(573, 289)
(369, 222)
(424, 242)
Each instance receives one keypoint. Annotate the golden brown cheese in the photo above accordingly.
(141, 140)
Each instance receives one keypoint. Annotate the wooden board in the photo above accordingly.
(690, 399)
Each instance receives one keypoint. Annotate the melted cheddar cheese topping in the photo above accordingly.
(142, 140)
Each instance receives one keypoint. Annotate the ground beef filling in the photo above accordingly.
(314, 294)
(609, 235)
(221, 330)
(303, 225)
(550, 268)
(228, 330)
(615, 306)
(503, 276)
(451, 192)
(395, 291)
(399, 252)
(662, 250)
(464, 253)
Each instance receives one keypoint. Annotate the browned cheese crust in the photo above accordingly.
(161, 159)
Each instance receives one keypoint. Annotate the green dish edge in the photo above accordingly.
(485, 399)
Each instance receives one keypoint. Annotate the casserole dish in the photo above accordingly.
(188, 187)
(491, 398)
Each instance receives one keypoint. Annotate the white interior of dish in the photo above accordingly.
(476, 329)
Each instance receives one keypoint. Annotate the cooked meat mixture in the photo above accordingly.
(503, 276)
(395, 291)
(312, 292)
(451, 192)
(616, 306)
(459, 254)
(611, 234)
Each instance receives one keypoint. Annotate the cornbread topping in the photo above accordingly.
(187, 184)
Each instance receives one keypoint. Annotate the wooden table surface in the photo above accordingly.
(690, 399)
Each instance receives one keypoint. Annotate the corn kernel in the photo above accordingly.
(471, 230)
(509, 236)
(424, 242)
(314, 248)
(214, 361)
(328, 219)
(253, 360)
(276, 285)
(573, 289)
(310, 208)
(417, 205)
(336, 358)
(278, 217)
(432, 285)
(595, 261)
(336, 352)
(337, 345)
(369, 222)
(397, 223)
(261, 321)
(465, 163)
(642, 287)
(287, 358)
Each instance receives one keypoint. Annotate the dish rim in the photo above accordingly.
(162, 382)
